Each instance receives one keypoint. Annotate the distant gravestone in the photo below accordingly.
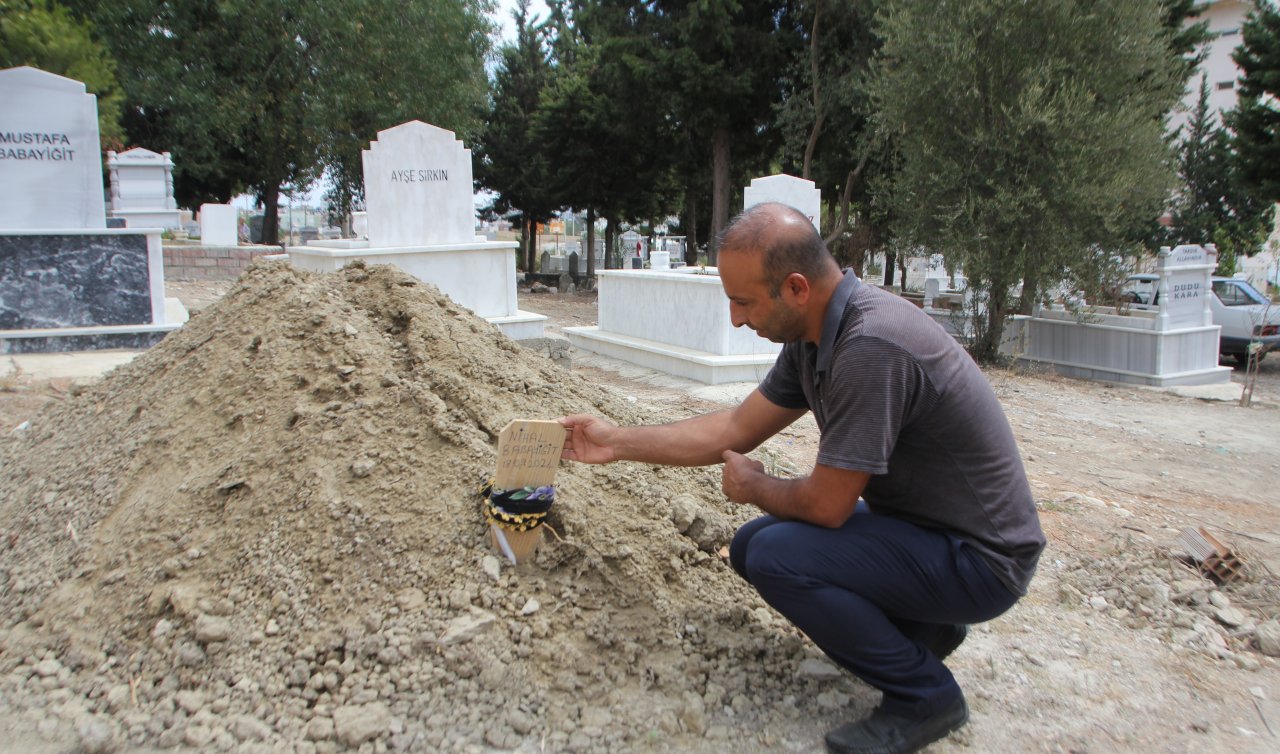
(544, 263)
(1186, 271)
(789, 190)
(573, 265)
(218, 225)
(360, 224)
(50, 159)
(142, 188)
(418, 189)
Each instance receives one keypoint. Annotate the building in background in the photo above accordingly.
(1225, 19)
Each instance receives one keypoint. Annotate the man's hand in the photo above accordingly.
(589, 439)
(741, 477)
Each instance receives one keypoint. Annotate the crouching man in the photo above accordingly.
(916, 520)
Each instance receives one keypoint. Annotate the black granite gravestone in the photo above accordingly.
(54, 281)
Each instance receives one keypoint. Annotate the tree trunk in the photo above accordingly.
(890, 259)
(1029, 283)
(719, 190)
(986, 346)
(591, 243)
(524, 240)
(531, 254)
(691, 225)
(610, 238)
(271, 215)
(902, 268)
(818, 115)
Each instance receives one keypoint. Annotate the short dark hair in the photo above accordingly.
(794, 246)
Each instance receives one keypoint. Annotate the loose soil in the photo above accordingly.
(263, 535)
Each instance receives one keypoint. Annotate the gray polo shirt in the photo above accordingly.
(895, 396)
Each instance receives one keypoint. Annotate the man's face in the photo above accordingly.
(776, 319)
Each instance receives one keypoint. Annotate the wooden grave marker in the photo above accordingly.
(528, 456)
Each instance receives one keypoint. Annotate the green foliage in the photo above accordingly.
(45, 35)
(826, 124)
(1185, 39)
(379, 73)
(613, 148)
(510, 160)
(1256, 118)
(1030, 135)
(1226, 253)
(1211, 200)
(724, 60)
(260, 95)
(620, 106)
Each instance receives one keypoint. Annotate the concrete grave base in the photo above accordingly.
(674, 321)
(83, 289)
(480, 275)
(691, 364)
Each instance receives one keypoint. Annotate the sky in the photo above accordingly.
(537, 9)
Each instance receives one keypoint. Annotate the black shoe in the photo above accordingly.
(883, 733)
(947, 640)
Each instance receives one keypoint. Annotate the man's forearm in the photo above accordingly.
(699, 441)
(791, 500)
(827, 497)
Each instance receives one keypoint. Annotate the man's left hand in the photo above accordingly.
(740, 476)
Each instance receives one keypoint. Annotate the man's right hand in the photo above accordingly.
(588, 439)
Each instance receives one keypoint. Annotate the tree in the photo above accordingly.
(254, 94)
(723, 61)
(510, 161)
(1256, 118)
(1211, 203)
(226, 87)
(380, 74)
(602, 117)
(1185, 39)
(44, 35)
(1030, 136)
(826, 125)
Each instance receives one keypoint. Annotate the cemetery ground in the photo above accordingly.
(1118, 647)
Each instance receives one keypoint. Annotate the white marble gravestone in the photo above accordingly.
(1184, 287)
(674, 321)
(789, 190)
(218, 225)
(677, 320)
(50, 164)
(67, 281)
(420, 215)
(142, 188)
(417, 184)
(1173, 342)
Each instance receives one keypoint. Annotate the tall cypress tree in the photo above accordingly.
(1210, 202)
(724, 61)
(1256, 118)
(510, 161)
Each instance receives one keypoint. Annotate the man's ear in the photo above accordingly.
(796, 287)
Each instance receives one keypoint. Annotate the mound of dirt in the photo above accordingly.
(264, 533)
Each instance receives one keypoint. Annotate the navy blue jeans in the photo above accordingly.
(869, 592)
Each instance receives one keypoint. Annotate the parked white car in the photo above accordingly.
(1244, 314)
